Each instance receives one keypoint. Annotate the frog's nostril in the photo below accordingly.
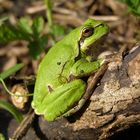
(102, 25)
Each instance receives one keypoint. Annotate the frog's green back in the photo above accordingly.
(54, 69)
(49, 71)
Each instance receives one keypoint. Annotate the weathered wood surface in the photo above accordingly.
(113, 107)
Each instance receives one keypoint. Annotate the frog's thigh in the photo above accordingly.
(62, 99)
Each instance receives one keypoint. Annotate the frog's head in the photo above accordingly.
(91, 32)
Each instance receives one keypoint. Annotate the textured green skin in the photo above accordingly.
(55, 69)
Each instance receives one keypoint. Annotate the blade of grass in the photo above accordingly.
(13, 94)
(48, 4)
(17, 115)
(11, 70)
(3, 19)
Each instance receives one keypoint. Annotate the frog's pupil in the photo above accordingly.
(87, 32)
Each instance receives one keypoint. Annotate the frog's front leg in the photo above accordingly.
(62, 99)
(83, 68)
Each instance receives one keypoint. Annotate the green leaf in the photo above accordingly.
(58, 30)
(37, 46)
(17, 115)
(7, 33)
(135, 3)
(11, 70)
(10, 33)
(2, 136)
(38, 24)
(133, 6)
(24, 31)
(2, 20)
(24, 25)
(24, 28)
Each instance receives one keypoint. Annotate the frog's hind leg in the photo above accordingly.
(76, 108)
(61, 99)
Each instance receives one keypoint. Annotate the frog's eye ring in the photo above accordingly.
(87, 31)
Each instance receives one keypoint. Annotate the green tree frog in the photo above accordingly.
(59, 86)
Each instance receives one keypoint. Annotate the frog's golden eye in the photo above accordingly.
(87, 31)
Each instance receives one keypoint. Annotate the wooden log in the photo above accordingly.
(113, 107)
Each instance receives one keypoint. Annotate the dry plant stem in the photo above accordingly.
(94, 79)
(106, 18)
(64, 11)
(24, 126)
